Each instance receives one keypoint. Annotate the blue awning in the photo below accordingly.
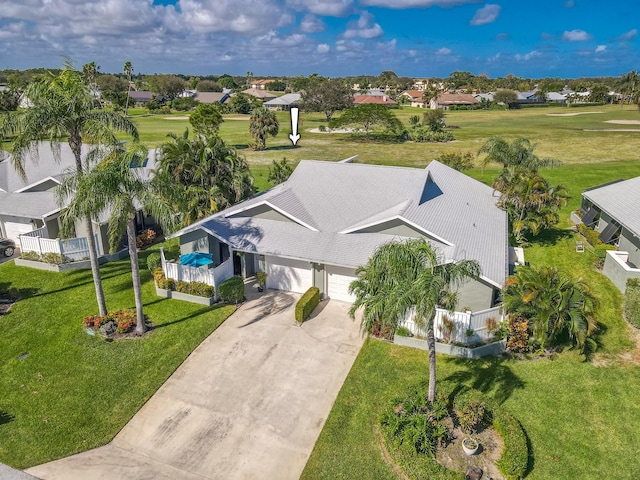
(196, 259)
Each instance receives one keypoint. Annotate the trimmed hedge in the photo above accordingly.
(515, 457)
(154, 261)
(307, 303)
(632, 302)
(232, 290)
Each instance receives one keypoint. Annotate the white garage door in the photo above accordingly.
(289, 275)
(338, 281)
(14, 229)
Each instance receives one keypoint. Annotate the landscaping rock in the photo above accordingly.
(473, 473)
(108, 328)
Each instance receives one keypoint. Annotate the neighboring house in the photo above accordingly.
(328, 218)
(484, 96)
(529, 97)
(141, 97)
(261, 84)
(28, 206)
(613, 210)
(415, 97)
(555, 97)
(211, 97)
(259, 94)
(285, 102)
(377, 99)
(448, 100)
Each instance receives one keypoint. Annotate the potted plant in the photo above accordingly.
(470, 445)
(262, 280)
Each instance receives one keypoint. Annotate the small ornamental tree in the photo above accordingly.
(367, 116)
(506, 96)
(206, 119)
(280, 171)
(262, 123)
(328, 97)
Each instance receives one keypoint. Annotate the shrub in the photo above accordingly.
(307, 304)
(34, 256)
(199, 289)
(424, 134)
(124, 319)
(518, 335)
(470, 412)
(403, 332)
(93, 321)
(632, 302)
(154, 261)
(53, 258)
(231, 290)
(515, 456)
(491, 324)
(145, 238)
(322, 128)
(600, 252)
(448, 327)
(589, 234)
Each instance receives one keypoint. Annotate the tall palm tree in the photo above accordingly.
(211, 174)
(628, 83)
(263, 122)
(62, 108)
(116, 186)
(408, 276)
(518, 155)
(554, 303)
(128, 70)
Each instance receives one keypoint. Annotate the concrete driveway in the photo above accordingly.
(248, 403)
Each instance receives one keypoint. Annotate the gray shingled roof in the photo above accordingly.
(620, 200)
(286, 99)
(338, 199)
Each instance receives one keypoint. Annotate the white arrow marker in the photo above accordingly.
(294, 135)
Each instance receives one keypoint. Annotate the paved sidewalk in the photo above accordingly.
(248, 403)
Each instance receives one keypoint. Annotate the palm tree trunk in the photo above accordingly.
(135, 274)
(95, 267)
(431, 342)
(75, 142)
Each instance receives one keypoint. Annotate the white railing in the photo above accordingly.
(469, 327)
(210, 276)
(40, 232)
(72, 248)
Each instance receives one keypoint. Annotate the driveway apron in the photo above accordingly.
(248, 403)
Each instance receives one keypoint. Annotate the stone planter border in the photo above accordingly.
(495, 348)
(66, 267)
(208, 301)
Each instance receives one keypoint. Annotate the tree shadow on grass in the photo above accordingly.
(548, 238)
(371, 138)
(197, 313)
(5, 418)
(490, 376)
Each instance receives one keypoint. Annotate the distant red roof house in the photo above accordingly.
(379, 99)
(446, 100)
(261, 84)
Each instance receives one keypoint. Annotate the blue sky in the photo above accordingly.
(418, 38)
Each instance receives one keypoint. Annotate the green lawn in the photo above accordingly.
(75, 392)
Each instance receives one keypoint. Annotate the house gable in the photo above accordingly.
(399, 226)
(44, 185)
(263, 211)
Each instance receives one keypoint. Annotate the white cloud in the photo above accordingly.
(601, 48)
(527, 56)
(628, 36)
(576, 36)
(487, 14)
(443, 51)
(332, 8)
(415, 3)
(311, 24)
(363, 27)
(323, 48)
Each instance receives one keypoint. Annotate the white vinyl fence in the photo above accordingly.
(73, 248)
(210, 276)
(469, 327)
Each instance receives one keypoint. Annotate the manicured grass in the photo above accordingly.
(74, 391)
(562, 137)
(580, 416)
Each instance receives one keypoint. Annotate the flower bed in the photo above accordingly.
(120, 323)
(495, 348)
(194, 292)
